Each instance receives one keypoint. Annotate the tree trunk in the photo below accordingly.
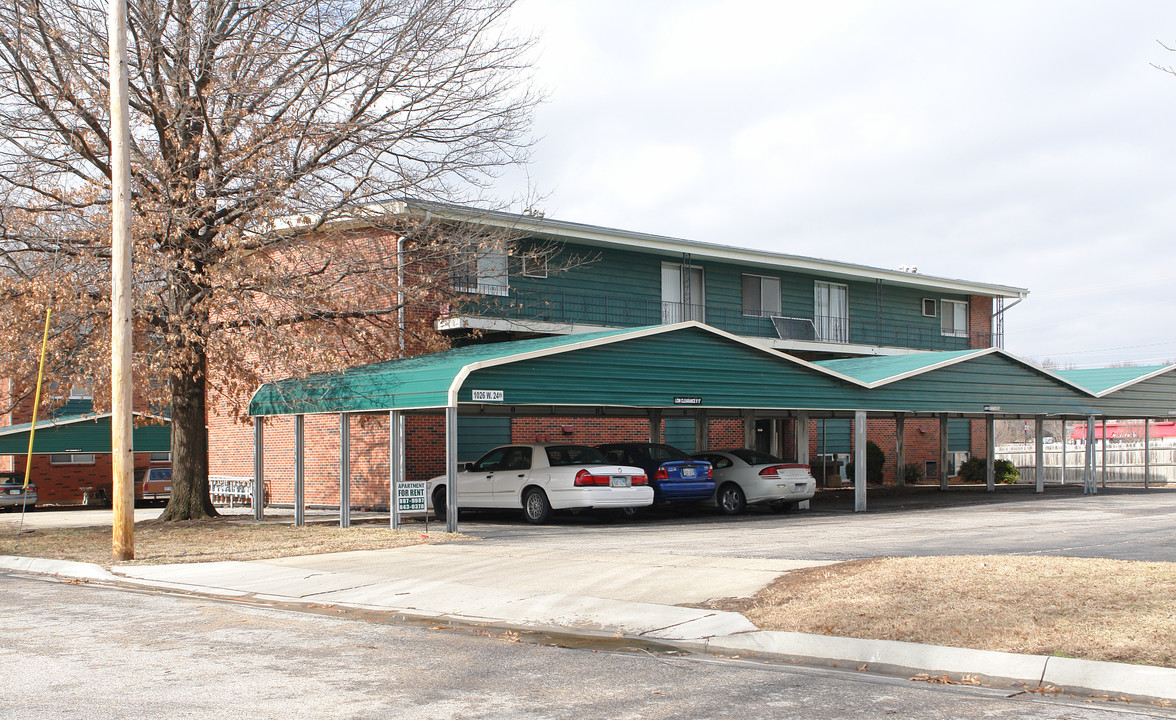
(189, 445)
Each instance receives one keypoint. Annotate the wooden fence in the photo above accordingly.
(1124, 463)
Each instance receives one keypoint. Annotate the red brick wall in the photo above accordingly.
(980, 321)
(62, 484)
(920, 437)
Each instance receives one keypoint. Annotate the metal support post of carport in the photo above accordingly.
(1039, 454)
(1089, 481)
(990, 452)
(900, 450)
(258, 467)
(299, 470)
(859, 460)
(943, 452)
(451, 469)
(701, 431)
(344, 470)
(802, 439)
(396, 465)
(1146, 452)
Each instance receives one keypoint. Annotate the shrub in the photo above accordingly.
(875, 464)
(913, 473)
(974, 471)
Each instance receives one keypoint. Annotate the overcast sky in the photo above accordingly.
(1021, 142)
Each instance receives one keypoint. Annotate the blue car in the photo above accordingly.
(674, 475)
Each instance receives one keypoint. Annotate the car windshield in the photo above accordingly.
(561, 455)
(755, 457)
(664, 453)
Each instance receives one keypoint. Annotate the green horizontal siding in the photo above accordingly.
(477, 435)
(90, 436)
(622, 288)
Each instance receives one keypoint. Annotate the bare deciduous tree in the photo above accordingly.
(263, 133)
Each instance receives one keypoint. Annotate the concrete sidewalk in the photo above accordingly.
(638, 595)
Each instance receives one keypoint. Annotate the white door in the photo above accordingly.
(683, 301)
(831, 312)
(511, 476)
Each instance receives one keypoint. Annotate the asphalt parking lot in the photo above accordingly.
(1123, 524)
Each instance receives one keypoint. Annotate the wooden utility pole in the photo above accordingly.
(121, 423)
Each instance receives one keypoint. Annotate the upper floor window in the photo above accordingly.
(535, 265)
(479, 270)
(761, 295)
(831, 312)
(953, 319)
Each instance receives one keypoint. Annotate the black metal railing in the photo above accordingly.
(532, 306)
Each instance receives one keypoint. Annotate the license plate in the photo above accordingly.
(688, 472)
(619, 481)
(14, 492)
(167, 489)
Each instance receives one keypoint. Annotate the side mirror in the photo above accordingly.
(466, 467)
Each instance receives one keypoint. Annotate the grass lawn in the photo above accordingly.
(222, 538)
(1113, 610)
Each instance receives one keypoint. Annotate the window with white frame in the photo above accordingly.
(953, 321)
(535, 265)
(159, 457)
(831, 311)
(71, 459)
(479, 270)
(761, 295)
(929, 307)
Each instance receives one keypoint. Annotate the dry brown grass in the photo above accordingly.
(1095, 609)
(211, 540)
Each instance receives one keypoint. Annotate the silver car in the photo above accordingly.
(14, 495)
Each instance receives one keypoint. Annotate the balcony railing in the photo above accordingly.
(530, 306)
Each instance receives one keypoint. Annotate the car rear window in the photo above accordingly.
(561, 455)
(755, 457)
(663, 453)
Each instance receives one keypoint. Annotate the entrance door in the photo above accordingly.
(683, 293)
(831, 312)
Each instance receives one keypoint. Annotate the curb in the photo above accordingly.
(1036, 672)
(1087, 677)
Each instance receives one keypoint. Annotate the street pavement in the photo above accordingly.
(85, 651)
(638, 579)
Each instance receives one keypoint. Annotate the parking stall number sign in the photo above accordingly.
(410, 497)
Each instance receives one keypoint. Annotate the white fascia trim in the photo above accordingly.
(464, 373)
(559, 229)
(818, 346)
(1141, 378)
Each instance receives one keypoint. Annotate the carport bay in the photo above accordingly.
(685, 370)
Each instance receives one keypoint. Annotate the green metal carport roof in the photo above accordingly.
(76, 428)
(694, 365)
(660, 366)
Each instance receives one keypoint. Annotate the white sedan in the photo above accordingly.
(748, 477)
(541, 477)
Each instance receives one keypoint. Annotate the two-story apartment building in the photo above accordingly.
(555, 278)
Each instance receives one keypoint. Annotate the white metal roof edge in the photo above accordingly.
(465, 372)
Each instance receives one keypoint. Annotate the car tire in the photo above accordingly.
(439, 506)
(536, 508)
(731, 499)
